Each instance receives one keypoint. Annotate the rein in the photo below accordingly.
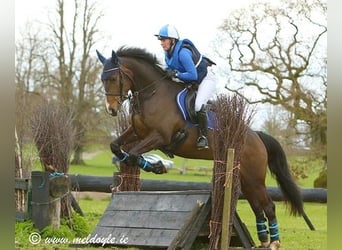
(135, 97)
(122, 73)
(137, 92)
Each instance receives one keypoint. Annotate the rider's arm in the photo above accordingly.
(185, 58)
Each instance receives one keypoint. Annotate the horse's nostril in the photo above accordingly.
(113, 112)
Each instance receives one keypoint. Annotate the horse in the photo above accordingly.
(157, 123)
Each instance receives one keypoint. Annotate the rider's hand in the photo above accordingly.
(171, 73)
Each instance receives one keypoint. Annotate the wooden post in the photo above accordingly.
(40, 199)
(225, 239)
(46, 198)
(58, 187)
(55, 212)
(22, 195)
(130, 178)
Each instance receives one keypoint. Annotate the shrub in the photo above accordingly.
(79, 225)
(69, 229)
(321, 180)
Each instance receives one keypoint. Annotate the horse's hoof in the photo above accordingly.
(265, 244)
(275, 245)
(158, 168)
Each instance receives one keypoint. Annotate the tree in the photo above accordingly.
(53, 134)
(77, 70)
(278, 52)
(57, 61)
(70, 65)
(27, 77)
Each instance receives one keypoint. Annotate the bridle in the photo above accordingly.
(134, 97)
(122, 74)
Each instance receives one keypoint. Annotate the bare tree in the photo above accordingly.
(54, 134)
(28, 78)
(57, 61)
(74, 73)
(277, 52)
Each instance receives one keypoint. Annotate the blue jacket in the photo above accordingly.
(183, 59)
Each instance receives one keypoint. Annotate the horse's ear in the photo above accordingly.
(101, 57)
(115, 59)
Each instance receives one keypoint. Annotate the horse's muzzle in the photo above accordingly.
(112, 112)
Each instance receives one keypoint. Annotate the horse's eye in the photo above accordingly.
(109, 80)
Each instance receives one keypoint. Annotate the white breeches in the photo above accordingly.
(206, 90)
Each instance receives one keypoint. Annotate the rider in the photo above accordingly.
(186, 63)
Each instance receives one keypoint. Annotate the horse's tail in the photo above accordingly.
(278, 165)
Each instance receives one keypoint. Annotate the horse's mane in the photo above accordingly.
(139, 54)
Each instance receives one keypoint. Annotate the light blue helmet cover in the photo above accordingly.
(168, 31)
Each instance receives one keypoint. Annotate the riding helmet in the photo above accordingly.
(168, 31)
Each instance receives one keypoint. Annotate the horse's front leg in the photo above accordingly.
(126, 138)
(152, 141)
(134, 156)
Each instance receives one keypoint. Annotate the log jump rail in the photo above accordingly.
(103, 184)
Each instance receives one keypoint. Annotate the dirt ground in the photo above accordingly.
(93, 195)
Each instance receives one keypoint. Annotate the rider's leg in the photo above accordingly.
(206, 90)
(202, 141)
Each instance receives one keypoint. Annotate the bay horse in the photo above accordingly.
(157, 123)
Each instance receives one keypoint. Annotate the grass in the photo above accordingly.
(295, 234)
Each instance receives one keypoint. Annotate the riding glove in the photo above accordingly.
(171, 73)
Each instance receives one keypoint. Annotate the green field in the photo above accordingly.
(295, 234)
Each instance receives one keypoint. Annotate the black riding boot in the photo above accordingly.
(202, 141)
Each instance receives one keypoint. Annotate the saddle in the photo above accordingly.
(186, 104)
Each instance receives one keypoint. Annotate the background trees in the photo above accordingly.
(277, 55)
(74, 72)
(57, 60)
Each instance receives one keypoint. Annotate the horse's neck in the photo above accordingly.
(142, 74)
(146, 75)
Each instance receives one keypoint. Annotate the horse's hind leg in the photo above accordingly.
(252, 195)
(264, 210)
(253, 173)
(270, 212)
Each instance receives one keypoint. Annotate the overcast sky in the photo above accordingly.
(133, 22)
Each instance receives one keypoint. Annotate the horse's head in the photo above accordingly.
(115, 81)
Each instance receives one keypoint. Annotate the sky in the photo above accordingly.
(134, 22)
